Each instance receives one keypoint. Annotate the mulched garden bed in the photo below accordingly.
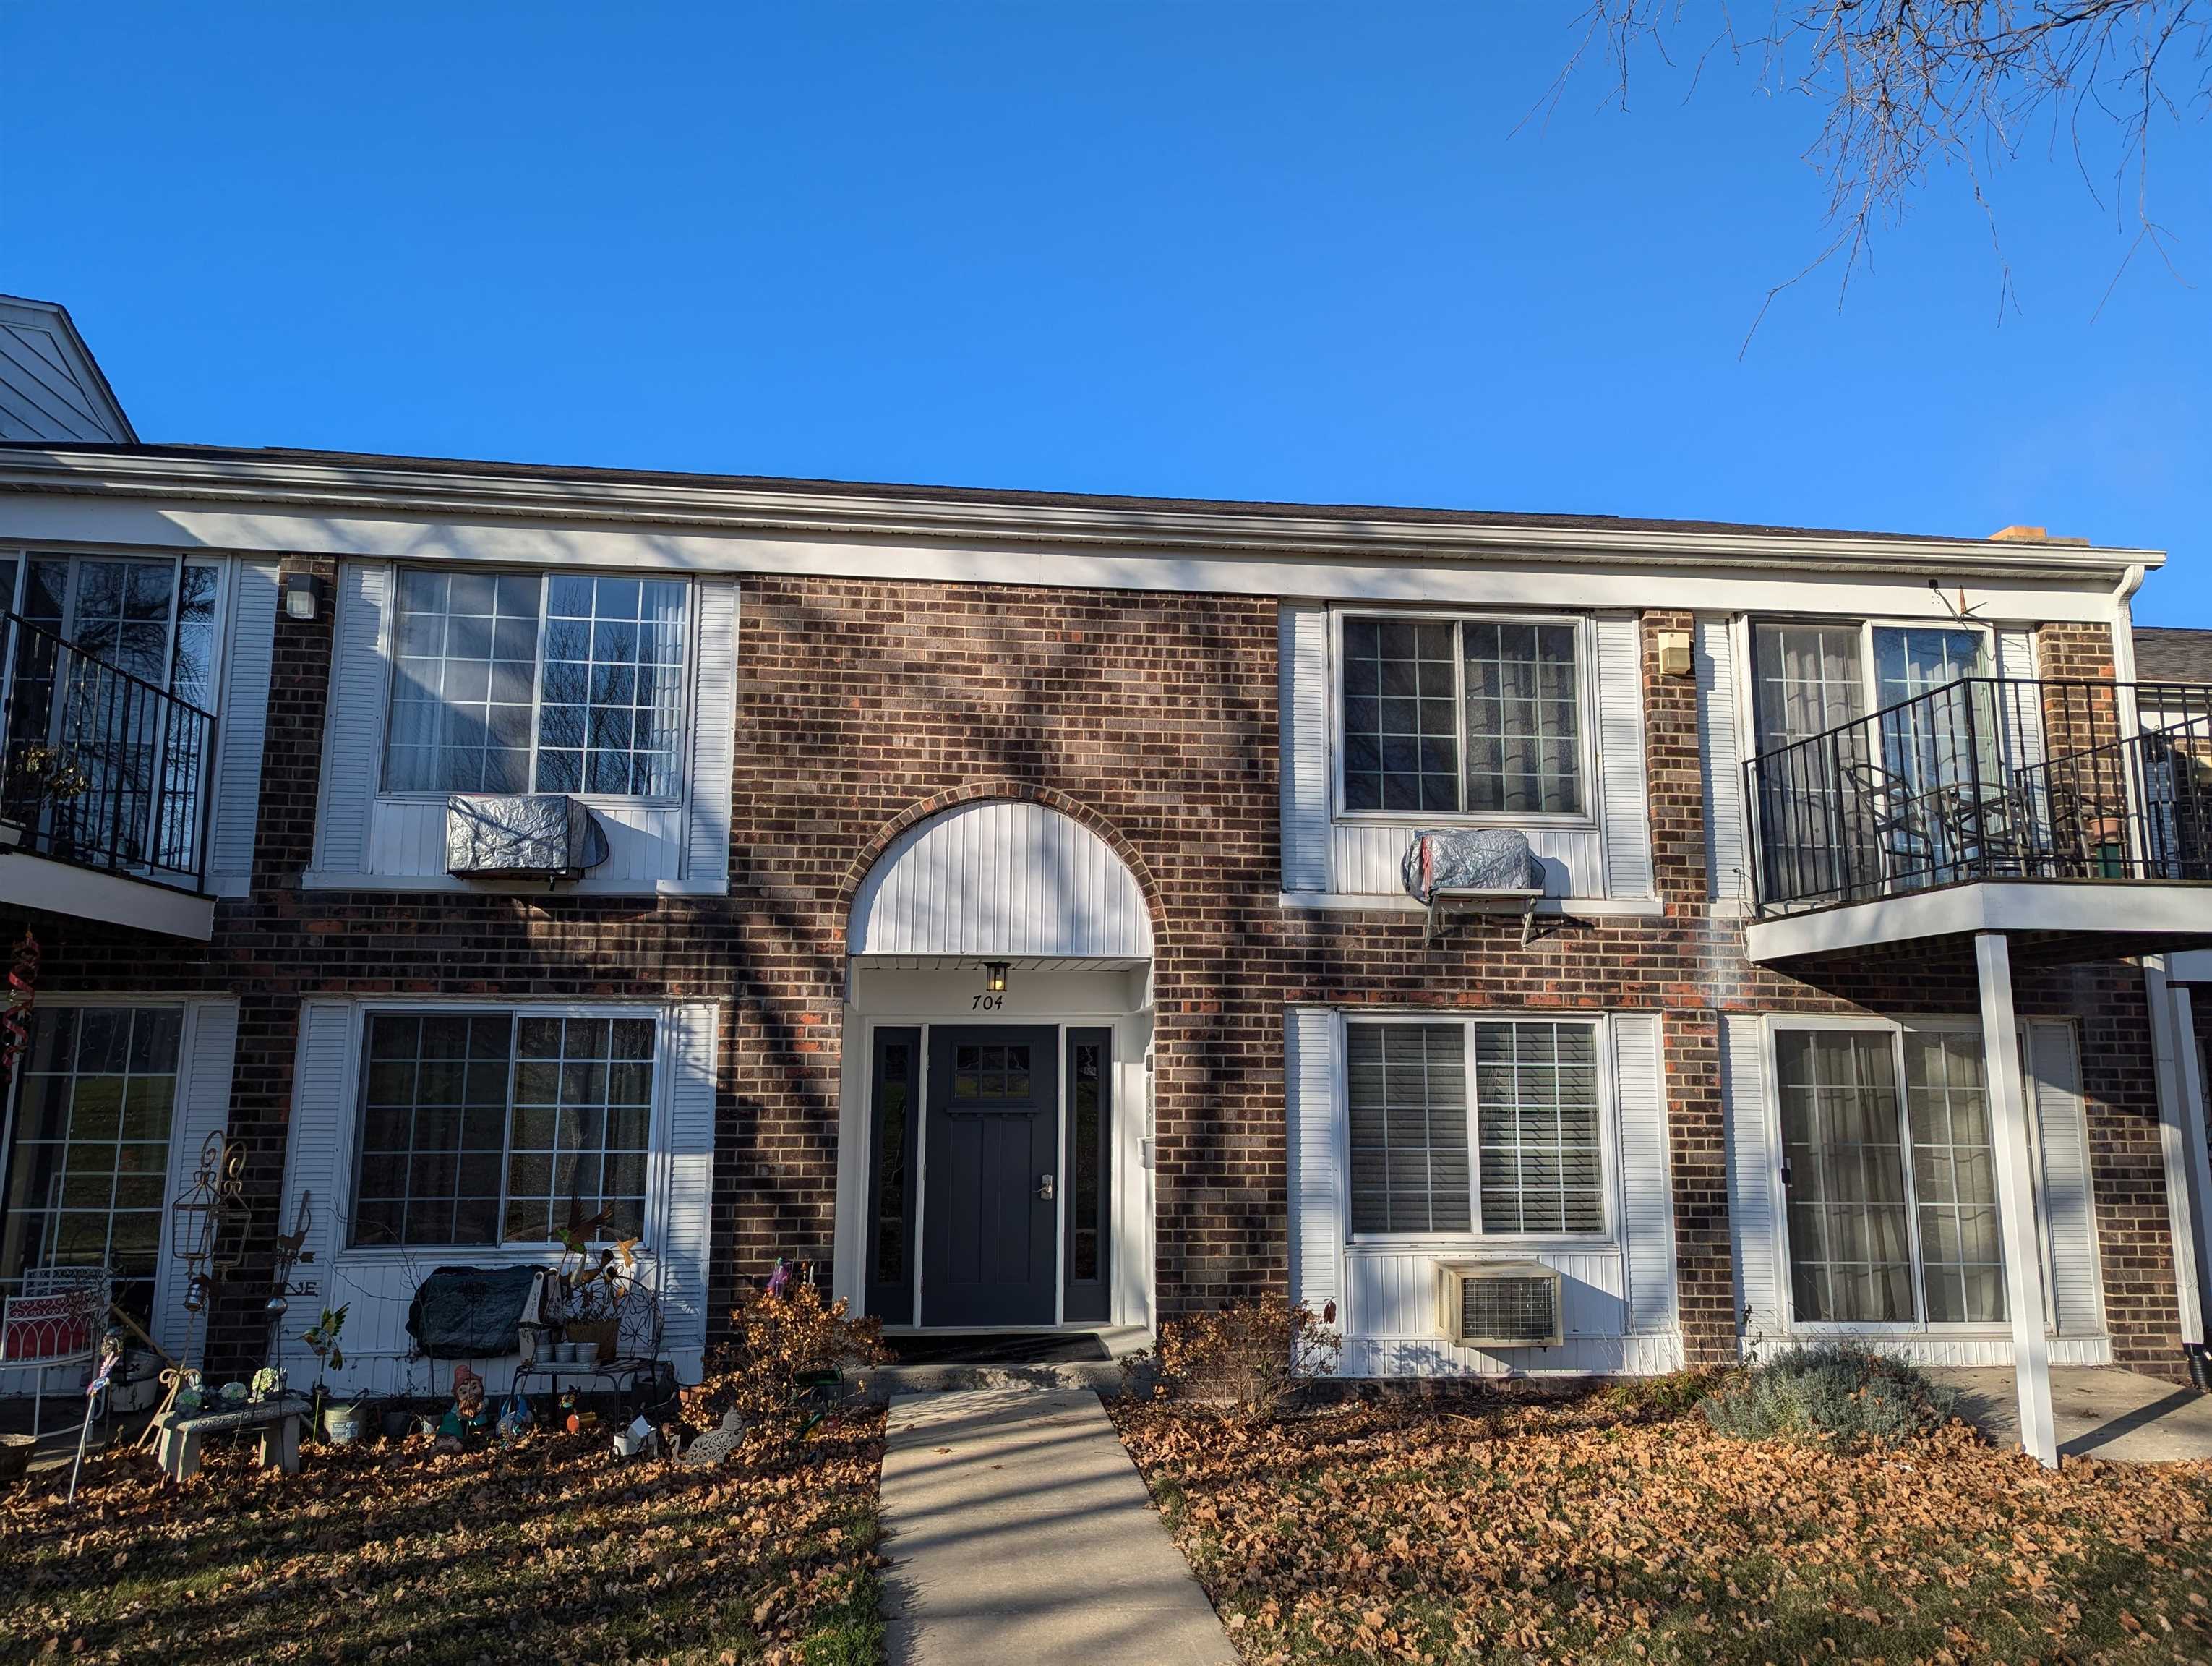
(1617, 1527)
(553, 1551)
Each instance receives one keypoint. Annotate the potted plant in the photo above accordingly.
(591, 1291)
(38, 776)
(341, 1424)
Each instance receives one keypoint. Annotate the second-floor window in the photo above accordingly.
(1480, 716)
(519, 682)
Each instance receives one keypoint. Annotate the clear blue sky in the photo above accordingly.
(1227, 249)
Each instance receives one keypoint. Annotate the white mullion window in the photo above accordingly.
(1484, 1128)
(1461, 715)
(548, 683)
(488, 1126)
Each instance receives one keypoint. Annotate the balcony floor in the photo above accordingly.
(2054, 921)
(85, 893)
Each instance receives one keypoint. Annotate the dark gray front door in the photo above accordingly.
(990, 1219)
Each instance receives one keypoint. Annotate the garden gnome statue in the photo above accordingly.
(468, 1418)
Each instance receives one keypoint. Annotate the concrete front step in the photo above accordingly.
(880, 1383)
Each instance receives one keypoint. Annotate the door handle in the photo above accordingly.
(1045, 1186)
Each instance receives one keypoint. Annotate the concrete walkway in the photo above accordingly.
(1018, 1530)
(2103, 1413)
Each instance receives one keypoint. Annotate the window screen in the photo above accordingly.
(614, 687)
(1954, 1178)
(466, 683)
(1851, 1251)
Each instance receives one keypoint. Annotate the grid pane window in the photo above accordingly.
(1536, 1111)
(613, 707)
(1954, 1178)
(1408, 1104)
(1851, 1250)
(1400, 715)
(463, 688)
(583, 1098)
(485, 1128)
(89, 1177)
(433, 1129)
(1523, 732)
(1462, 715)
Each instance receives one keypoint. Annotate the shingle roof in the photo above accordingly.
(1000, 495)
(2167, 656)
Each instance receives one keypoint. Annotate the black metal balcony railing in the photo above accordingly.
(1988, 778)
(99, 769)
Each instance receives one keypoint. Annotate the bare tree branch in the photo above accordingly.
(1908, 87)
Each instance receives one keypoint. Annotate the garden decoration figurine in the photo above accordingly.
(210, 1212)
(291, 1252)
(780, 1280)
(468, 1418)
(95, 1392)
(515, 1420)
(267, 1384)
(192, 1391)
(322, 1339)
(573, 1418)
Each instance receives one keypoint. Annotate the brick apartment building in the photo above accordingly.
(996, 899)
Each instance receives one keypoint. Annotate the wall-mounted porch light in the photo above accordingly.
(299, 596)
(994, 977)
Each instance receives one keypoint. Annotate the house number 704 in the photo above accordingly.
(987, 1003)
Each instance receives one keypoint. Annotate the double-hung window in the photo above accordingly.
(1461, 717)
(522, 682)
(1490, 1126)
(1890, 1176)
(486, 1127)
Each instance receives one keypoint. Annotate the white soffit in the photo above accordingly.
(1005, 880)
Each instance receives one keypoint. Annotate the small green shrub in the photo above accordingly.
(1840, 1393)
(1660, 1399)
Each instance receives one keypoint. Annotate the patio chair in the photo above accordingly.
(56, 1319)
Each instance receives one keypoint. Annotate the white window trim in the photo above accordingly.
(1586, 720)
(346, 1160)
(1610, 1179)
(387, 649)
(1897, 1029)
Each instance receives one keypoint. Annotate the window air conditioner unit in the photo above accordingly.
(521, 835)
(1498, 1303)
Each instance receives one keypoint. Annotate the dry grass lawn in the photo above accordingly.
(1615, 1528)
(551, 1553)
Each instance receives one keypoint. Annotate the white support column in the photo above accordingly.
(2196, 1143)
(2016, 1165)
(2178, 1103)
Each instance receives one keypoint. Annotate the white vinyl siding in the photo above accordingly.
(1304, 675)
(1646, 1188)
(675, 841)
(1722, 732)
(242, 724)
(1317, 1225)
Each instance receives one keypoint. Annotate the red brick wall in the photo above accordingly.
(1152, 717)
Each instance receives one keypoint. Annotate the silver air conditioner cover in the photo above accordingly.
(521, 835)
(1469, 858)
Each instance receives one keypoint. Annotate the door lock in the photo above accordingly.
(1045, 1186)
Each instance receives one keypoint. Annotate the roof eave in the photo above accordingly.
(448, 494)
